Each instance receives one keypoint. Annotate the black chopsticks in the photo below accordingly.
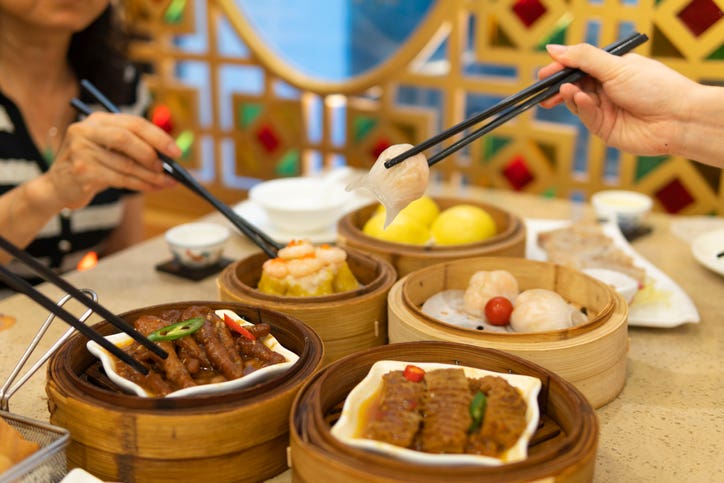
(511, 106)
(24, 287)
(261, 239)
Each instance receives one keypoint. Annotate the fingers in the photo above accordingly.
(592, 60)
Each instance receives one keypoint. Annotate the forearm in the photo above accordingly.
(24, 211)
(703, 128)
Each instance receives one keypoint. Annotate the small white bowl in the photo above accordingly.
(301, 204)
(627, 208)
(622, 283)
(197, 245)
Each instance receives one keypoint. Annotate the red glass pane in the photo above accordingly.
(674, 196)
(699, 15)
(266, 136)
(380, 146)
(529, 11)
(518, 174)
(161, 117)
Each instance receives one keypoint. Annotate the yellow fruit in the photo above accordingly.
(403, 229)
(423, 209)
(462, 224)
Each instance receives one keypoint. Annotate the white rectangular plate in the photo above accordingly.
(666, 305)
(347, 426)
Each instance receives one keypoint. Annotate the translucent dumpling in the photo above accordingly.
(538, 310)
(399, 185)
(484, 285)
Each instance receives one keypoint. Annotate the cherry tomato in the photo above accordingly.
(498, 310)
(413, 373)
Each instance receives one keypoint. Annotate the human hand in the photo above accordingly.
(631, 102)
(109, 150)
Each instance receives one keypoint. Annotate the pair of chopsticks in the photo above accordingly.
(511, 106)
(22, 286)
(171, 167)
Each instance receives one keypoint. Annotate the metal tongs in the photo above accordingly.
(176, 171)
(22, 286)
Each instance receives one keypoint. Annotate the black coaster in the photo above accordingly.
(175, 268)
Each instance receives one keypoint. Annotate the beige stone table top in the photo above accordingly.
(666, 425)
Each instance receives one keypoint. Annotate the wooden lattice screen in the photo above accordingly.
(241, 136)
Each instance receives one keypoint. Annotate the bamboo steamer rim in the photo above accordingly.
(66, 367)
(599, 319)
(310, 424)
(350, 228)
(385, 276)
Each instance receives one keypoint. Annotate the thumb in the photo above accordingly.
(592, 60)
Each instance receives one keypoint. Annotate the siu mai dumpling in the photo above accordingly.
(399, 185)
(538, 310)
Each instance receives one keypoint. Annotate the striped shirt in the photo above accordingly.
(66, 238)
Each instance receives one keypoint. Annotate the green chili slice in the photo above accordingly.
(177, 330)
(477, 411)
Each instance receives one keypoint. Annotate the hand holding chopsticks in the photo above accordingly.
(511, 106)
(24, 287)
(171, 167)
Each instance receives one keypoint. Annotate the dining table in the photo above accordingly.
(667, 423)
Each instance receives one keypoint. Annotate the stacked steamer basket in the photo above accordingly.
(563, 448)
(592, 356)
(238, 435)
(508, 241)
(346, 321)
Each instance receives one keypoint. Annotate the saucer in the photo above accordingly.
(255, 215)
(708, 248)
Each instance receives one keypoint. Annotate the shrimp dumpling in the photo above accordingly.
(399, 185)
(538, 310)
(484, 285)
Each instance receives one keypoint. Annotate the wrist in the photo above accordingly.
(40, 197)
(701, 124)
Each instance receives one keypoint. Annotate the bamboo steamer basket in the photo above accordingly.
(346, 322)
(509, 241)
(563, 449)
(592, 356)
(238, 435)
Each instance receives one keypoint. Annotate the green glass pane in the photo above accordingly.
(718, 54)
(492, 145)
(549, 151)
(501, 39)
(289, 164)
(661, 46)
(549, 193)
(248, 113)
(558, 34)
(362, 126)
(647, 164)
(174, 14)
(184, 141)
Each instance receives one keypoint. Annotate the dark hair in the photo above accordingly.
(99, 54)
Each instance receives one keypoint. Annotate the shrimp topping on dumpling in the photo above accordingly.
(485, 285)
(399, 185)
(538, 310)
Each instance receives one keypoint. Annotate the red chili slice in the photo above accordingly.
(413, 373)
(238, 328)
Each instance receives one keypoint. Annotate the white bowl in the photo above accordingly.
(622, 283)
(197, 245)
(301, 204)
(627, 208)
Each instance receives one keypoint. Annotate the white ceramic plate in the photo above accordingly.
(661, 302)
(706, 247)
(347, 427)
(259, 375)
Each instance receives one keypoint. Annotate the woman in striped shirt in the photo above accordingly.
(68, 185)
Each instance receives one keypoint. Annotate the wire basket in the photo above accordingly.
(47, 464)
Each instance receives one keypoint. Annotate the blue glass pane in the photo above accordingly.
(232, 78)
(229, 43)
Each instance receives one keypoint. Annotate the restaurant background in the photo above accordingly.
(256, 90)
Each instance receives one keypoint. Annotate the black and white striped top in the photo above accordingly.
(73, 233)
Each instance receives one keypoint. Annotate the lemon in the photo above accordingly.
(462, 224)
(403, 229)
(423, 209)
